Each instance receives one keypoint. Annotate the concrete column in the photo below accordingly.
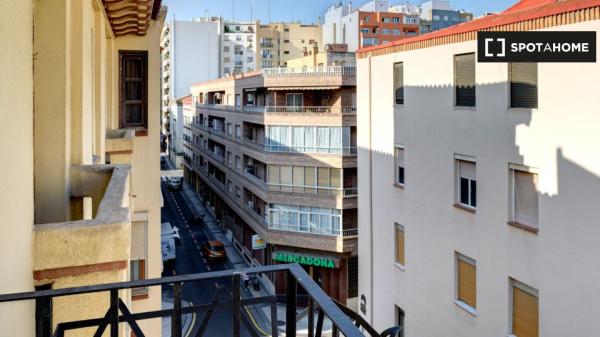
(52, 110)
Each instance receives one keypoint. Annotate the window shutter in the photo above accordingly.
(526, 198)
(138, 240)
(399, 82)
(133, 89)
(525, 314)
(399, 244)
(466, 169)
(523, 85)
(467, 282)
(400, 157)
(464, 79)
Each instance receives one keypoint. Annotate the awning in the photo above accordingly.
(304, 88)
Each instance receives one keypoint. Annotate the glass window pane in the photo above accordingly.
(298, 179)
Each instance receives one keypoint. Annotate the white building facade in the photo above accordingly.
(479, 185)
(190, 53)
(238, 47)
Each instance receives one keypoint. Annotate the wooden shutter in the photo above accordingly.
(526, 198)
(467, 281)
(400, 244)
(524, 314)
(138, 240)
(523, 85)
(133, 89)
(399, 83)
(464, 79)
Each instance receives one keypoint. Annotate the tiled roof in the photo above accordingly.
(524, 10)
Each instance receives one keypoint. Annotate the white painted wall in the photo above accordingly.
(195, 54)
(376, 6)
(332, 23)
(561, 139)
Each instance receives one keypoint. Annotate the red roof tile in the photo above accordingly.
(521, 11)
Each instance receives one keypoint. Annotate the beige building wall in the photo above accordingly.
(146, 168)
(16, 142)
(290, 41)
(560, 140)
(61, 87)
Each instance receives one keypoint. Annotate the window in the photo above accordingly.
(399, 83)
(400, 320)
(294, 99)
(464, 79)
(399, 165)
(466, 183)
(238, 132)
(399, 238)
(238, 163)
(466, 282)
(133, 89)
(137, 270)
(524, 195)
(523, 85)
(138, 253)
(524, 310)
(353, 276)
(324, 221)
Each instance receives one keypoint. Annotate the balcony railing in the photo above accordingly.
(308, 229)
(258, 181)
(350, 192)
(310, 71)
(229, 296)
(286, 149)
(347, 233)
(300, 109)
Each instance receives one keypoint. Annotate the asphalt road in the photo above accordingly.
(189, 260)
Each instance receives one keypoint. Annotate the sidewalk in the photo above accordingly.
(260, 316)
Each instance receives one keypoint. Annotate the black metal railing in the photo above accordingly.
(343, 320)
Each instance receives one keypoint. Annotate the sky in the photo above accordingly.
(307, 11)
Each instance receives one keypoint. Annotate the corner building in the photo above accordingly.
(273, 154)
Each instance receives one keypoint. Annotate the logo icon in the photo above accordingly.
(501, 41)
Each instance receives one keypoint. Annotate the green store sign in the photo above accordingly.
(323, 262)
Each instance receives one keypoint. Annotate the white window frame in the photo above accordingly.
(398, 226)
(514, 283)
(457, 186)
(511, 190)
(396, 166)
(459, 256)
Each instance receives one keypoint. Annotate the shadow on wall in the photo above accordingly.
(432, 131)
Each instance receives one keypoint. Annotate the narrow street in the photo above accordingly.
(189, 260)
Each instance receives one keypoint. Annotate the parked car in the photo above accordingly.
(214, 250)
(175, 182)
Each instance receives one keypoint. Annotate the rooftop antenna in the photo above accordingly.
(233, 9)
(251, 10)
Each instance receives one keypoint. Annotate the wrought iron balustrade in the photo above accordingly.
(343, 320)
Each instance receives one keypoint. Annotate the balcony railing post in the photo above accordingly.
(114, 313)
(290, 305)
(43, 317)
(237, 304)
(176, 318)
(274, 329)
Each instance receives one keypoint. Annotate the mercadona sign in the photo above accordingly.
(323, 262)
